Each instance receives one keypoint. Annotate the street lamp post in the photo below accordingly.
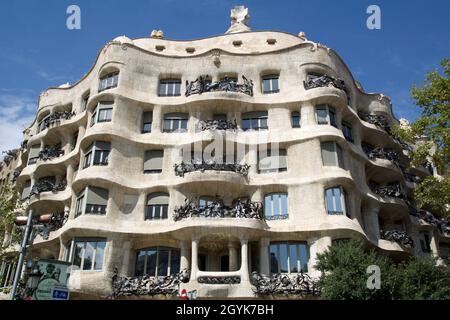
(23, 249)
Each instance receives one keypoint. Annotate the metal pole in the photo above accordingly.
(23, 249)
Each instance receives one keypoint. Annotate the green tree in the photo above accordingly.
(431, 137)
(9, 204)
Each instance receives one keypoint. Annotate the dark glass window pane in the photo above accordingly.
(283, 258)
(147, 127)
(140, 263)
(151, 262)
(329, 199)
(157, 212)
(293, 258)
(174, 261)
(99, 253)
(177, 88)
(273, 259)
(266, 85)
(163, 262)
(275, 86)
(245, 124)
(304, 257)
(333, 119)
(263, 122)
(88, 255)
(164, 211)
(295, 121)
(77, 255)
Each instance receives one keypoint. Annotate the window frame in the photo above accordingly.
(281, 153)
(281, 215)
(338, 155)
(81, 206)
(70, 253)
(343, 202)
(176, 84)
(89, 159)
(113, 76)
(161, 208)
(178, 118)
(296, 114)
(251, 116)
(330, 110)
(102, 106)
(270, 79)
(157, 262)
(298, 252)
(347, 131)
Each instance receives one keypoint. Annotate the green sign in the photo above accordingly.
(54, 273)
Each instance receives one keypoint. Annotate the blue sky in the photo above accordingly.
(38, 51)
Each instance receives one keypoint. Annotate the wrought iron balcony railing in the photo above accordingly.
(50, 153)
(442, 224)
(401, 237)
(201, 85)
(324, 81)
(55, 222)
(148, 285)
(298, 283)
(55, 119)
(376, 119)
(186, 167)
(10, 156)
(47, 186)
(217, 125)
(380, 153)
(219, 279)
(393, 191)
(242, 209)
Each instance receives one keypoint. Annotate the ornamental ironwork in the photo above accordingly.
(50, 153)
(191, 166)
(442, 224)
(202, 85)
(55, 119)
(10, 155)
(324, 81)
(148, 285)
(401, 237)
(23, 145)
(217, 125)
(241, 209)
(219, 279)
(393, 191)
(56, 222)
(380, 153)
(298, 283)
(376, 119)
(47, 186)
(16, 175)
(408, 176)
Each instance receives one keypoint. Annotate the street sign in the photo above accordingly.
(60, 293)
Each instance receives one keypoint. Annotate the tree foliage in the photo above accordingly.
(431, 137)
(9, 204)
(344, 275)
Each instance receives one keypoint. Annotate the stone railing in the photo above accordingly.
(148, 285)
(47, 186)
(375, 119)
(55, 223)
(219, 279)
(324, 81)
(186, 167)
(393, 191)
(55, 119)
(401, 237)
(242, 209)
(50, 153)
(380, 153)
(217, 125)
(201, 85)
(298, 283)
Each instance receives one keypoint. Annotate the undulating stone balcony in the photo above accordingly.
(55, 119)
(392, 191)
(442, 224)
(50, 153)
(220, 124)
(48, 186)
(380, 153)
(191, 166)
(45, 224)
(378, 120)
(242, 209)
(201, 85)
(324, 81)
(295, 284)
(148, 285)
(401, 237)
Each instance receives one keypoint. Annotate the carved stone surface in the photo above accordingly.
(380, 153)
(324, 81)
(50, 153)
(217, 125)
(148, 285)
(186, 167)
(394, 191)
(200, 86)
(239, 20)
(378, 120)
(401, 237)
(219, 280)
(55, 223)
(299, 283)
(55, 118)
(242, 209)
(47, 186)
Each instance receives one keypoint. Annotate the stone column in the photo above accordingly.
(244, 261)
(233, 257)
(184, 255)
(194, 258)
(69, 174)
(317, 245)
(158, 119)
(264, 259)
(252, 158)
(308, 117)
(125, 267)
(372, 222)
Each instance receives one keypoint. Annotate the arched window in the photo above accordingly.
(157, 262)
(157, 206)
(289, 257)
(276, 206)
(270, 84)
(336, 202)
(108, 81)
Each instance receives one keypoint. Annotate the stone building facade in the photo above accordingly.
(106, 167)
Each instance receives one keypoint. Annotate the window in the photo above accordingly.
(288, 257)
(207, 201)
(157, 206)
(97, 154)
(254, 121)
(170, 88)
(336, 201)
(153, 161)
(33, 157)
(270, 84)
(147, 118)
(43, 123)
(425, 241)
(276, 206)
(332, 154)
(84, 102)
(103, 112)
(326, 115)
(88, 255)
(109, 81)
(94, 200)
(295, 119)
(175, 122)
(273, 161)
(157, 262)
(347, 131)
(26, 189)
(74, 141)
